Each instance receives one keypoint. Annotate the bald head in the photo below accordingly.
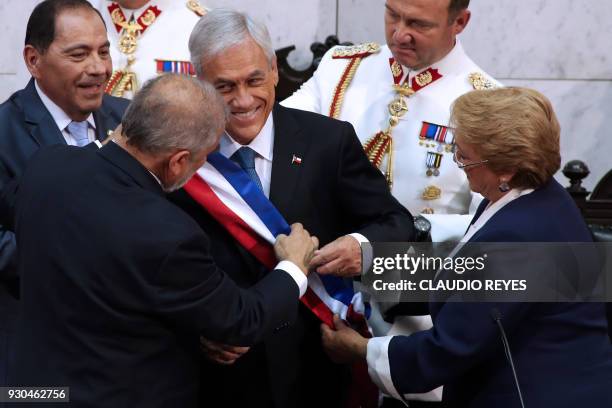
(174, 112)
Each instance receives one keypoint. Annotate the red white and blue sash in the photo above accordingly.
(233, 199)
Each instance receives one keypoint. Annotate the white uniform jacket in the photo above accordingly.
(365, 106)
(162, 47)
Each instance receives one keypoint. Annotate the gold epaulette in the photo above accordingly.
(356, 51)
(196, 7)
(480, 82)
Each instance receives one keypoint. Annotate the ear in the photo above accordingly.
(178, 163)
(32, 59)
(274, 68)
(461, 21)
(506, 177)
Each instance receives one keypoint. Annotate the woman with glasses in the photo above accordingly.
(507, 142)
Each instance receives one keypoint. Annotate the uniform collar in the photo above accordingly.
(263, 144)
(138, 12)
(61, 119)
(446, 65)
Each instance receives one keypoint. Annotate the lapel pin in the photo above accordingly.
(296, 160)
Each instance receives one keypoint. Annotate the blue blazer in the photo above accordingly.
(562, 352)
(26, 126)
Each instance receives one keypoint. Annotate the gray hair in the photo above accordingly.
(221, 29)
(174, 112)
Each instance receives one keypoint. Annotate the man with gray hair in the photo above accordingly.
(115, 300)
(309, 169)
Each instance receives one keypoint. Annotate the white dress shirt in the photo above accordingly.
(62, 120)
(263, 145)
(378, 347)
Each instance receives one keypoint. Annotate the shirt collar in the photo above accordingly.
(493, 208)
(61, 119)
(263, 144)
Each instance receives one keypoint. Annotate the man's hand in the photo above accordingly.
(221, 353)
(341, 257)
(298, 247)
(343, 345)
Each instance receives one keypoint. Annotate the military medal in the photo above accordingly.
(431, 193)
(438, 135)
(177, 67)
(381, 144)
(125, 79)
(433, 162)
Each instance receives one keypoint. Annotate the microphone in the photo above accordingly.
(496, 315)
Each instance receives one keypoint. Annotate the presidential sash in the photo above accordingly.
(229, 195)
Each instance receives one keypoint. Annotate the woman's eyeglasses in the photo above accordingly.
(462, 165)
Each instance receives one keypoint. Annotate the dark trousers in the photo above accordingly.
(9, 309)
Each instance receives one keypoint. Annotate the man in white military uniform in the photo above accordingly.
(148, 37)
(398, 98)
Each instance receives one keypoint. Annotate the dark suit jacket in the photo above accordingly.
(334, 191)
(114, 295)
(25, 126)
(561, 351)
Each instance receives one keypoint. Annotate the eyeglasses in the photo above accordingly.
(462, 165)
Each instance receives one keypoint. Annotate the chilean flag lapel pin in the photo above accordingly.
(296, 160)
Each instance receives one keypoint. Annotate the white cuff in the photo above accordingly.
(366, 251)
(296, 273)
(378, 365)
(98, 143)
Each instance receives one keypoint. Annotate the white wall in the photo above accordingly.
(297, 23)
(560, 47)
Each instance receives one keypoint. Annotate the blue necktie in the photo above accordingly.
(245, 158)
(78, 130)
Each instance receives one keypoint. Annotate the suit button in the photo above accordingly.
(281, 327)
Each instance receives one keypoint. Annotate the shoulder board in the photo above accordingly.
(196, 7)
(356, 51)
(480, 82)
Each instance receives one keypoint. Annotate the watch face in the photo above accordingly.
(421, 224)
